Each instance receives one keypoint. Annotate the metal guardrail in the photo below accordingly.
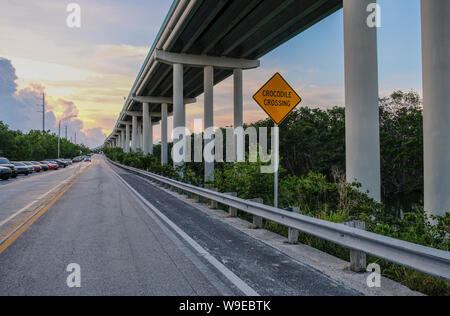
(420, 258)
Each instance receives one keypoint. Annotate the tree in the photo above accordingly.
(35, 146)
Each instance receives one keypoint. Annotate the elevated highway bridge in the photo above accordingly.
(202, 42)
(133, 232)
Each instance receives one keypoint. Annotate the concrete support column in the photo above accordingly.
(123, 141)
(139, 136)
(150, 137)
(179, 114)
(436, 104)
(164, 148)
(361, 97)
(146, 127)
(134, 135)
(238, 106)
(127, 138)
(209, 117)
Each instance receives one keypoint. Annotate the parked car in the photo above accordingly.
(77, 159)
(55, 163)
(30, 166)
(69, 161)
(5, 173)
(43, 166)
(33, 166)
(21, 168)
(87, 159)
(51, 166)
(59, 162)
(4, 162)
(36, 166)
(64, 163)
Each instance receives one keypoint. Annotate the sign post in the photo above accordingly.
(276, 163)
(278, 100)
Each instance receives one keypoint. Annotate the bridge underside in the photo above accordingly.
(202, 42)
(238, 29)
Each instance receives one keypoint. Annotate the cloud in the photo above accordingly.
(20, 109)
(7, 78)
(117, 59)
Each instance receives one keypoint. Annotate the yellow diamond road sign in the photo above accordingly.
(277, 98)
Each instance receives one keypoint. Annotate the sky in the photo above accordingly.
(86, 72)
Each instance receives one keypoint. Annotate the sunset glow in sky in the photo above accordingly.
(88, 71)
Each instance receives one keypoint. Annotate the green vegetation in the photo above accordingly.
(314, 140)
(312, 177)
(35, 146)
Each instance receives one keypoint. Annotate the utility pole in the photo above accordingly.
(43, 112)
(75, 138)
(59, 138)
(66, 132)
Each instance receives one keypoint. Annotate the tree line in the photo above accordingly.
(35, 145)
(314, 140)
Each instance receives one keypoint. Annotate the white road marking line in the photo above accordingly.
(22, 210)
(19, 212)
(233, 278)
(29, 205)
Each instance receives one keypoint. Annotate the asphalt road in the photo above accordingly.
(17, 194)
(160, 246)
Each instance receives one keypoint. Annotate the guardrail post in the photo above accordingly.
(232, 210)
(180, 190)
(213, 205)
(293, 233)
(257, 220)
(200, 198)
(189, 194)
(357, 258)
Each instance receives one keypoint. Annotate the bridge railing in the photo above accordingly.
(428, 260)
